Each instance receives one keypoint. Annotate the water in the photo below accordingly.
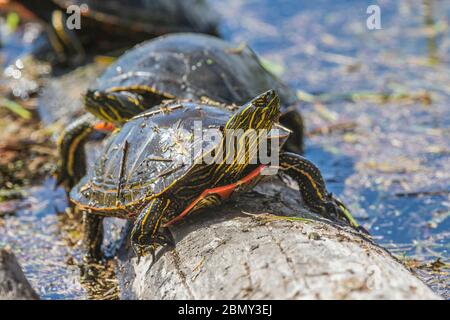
(41, 244)
(47, 245)
(391, 166)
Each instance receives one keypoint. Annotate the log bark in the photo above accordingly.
(13, 284)
(243, 251)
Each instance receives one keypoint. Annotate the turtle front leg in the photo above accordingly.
(147, 234)
(72, 158)
(92, 246)
(93, 237)
(313, 190)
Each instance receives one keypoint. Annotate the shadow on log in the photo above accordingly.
(243, 251)
(13, 284)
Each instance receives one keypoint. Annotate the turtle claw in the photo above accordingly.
(332, 210)
(141, 251)
(164, 237)
(160, 239)
(152, 252)
(336, 208)
(363, 230)
(137, 251)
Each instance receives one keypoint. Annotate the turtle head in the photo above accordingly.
(113, 106)
(119, 104)
(259, 113)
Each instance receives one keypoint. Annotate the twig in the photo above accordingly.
(421, 193)
(15, 107)
(335, 127)
(271, 217)
(378, 97)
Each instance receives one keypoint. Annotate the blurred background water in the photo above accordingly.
(376, 107)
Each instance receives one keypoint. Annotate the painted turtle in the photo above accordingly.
(179, 66)
(156, 169)
(126, 22)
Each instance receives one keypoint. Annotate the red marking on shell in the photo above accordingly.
(104, 126)
(224, 192)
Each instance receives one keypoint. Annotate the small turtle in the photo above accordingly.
(156, 171)
(177, 66)
(123, 22)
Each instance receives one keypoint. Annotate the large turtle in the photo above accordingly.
(120, 22)
(178, 66)
(159, 168)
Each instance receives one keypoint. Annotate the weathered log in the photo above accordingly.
(13, 284)
(242, 251)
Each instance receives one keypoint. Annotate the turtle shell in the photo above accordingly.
(150, 151)
(192, 66)
(154, 17)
